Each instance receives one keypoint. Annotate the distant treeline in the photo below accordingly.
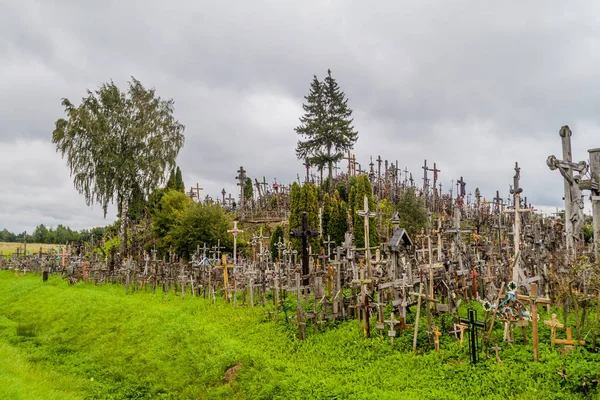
(60, 235)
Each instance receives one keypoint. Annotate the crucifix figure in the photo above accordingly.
(241, 177)
(425, 181)
(305, 233)
(573, 200)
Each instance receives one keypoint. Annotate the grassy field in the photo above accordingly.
(10, 248)
(95, 342)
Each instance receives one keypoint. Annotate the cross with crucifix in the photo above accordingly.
(425, 181)
(241, 177)
(517, 273)
(304, 233)
(572, 192)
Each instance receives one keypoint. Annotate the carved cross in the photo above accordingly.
(305, 233)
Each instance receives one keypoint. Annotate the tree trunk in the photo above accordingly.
(330, 176)
(123, 229)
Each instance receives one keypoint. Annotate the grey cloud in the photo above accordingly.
(473, 87)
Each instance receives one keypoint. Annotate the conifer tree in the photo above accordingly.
(326, 125)
(179, 185)
(171, 183)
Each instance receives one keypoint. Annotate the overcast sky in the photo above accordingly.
(472, 86)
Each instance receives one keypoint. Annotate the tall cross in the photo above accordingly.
(198, 189)
(366, 213)
(349, 158)
(425, 180)
(462, 184)
(241, 177)
(517, 210)
(307, 166)
(223, 192)
(379, 160)
(224, 266)
(235, 232)
(305, 233)
(572, 196)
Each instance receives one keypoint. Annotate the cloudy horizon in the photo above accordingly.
(473, 87)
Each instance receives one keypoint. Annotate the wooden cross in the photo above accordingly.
(365, 300)
(224, 266)
(305, 233)
(349, 158)
(420, 296)
(235, 232)
(474, 274)
(366, 213)
(461, 328)
(198, 189)
(553, 324)
(569, 342)
(392, 332)
(497, 348)
(533, 299)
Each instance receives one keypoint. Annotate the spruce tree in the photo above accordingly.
(326, 125)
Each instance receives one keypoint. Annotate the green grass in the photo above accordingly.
(95, 342)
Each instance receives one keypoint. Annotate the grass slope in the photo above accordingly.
(85, 341)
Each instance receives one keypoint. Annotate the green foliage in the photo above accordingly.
(179, 185)
(304, 198)
(337, 223)
(171, 207)
(117, 143)
(171, 183)
(275, 237)
(588, 232)
(412, 212)
(200, 223)
(326, 125)
(248, 190)
(386, 209)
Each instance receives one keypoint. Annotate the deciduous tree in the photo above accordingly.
(116, 141)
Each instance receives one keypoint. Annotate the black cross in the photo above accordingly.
(473, 325)
(305, 233)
